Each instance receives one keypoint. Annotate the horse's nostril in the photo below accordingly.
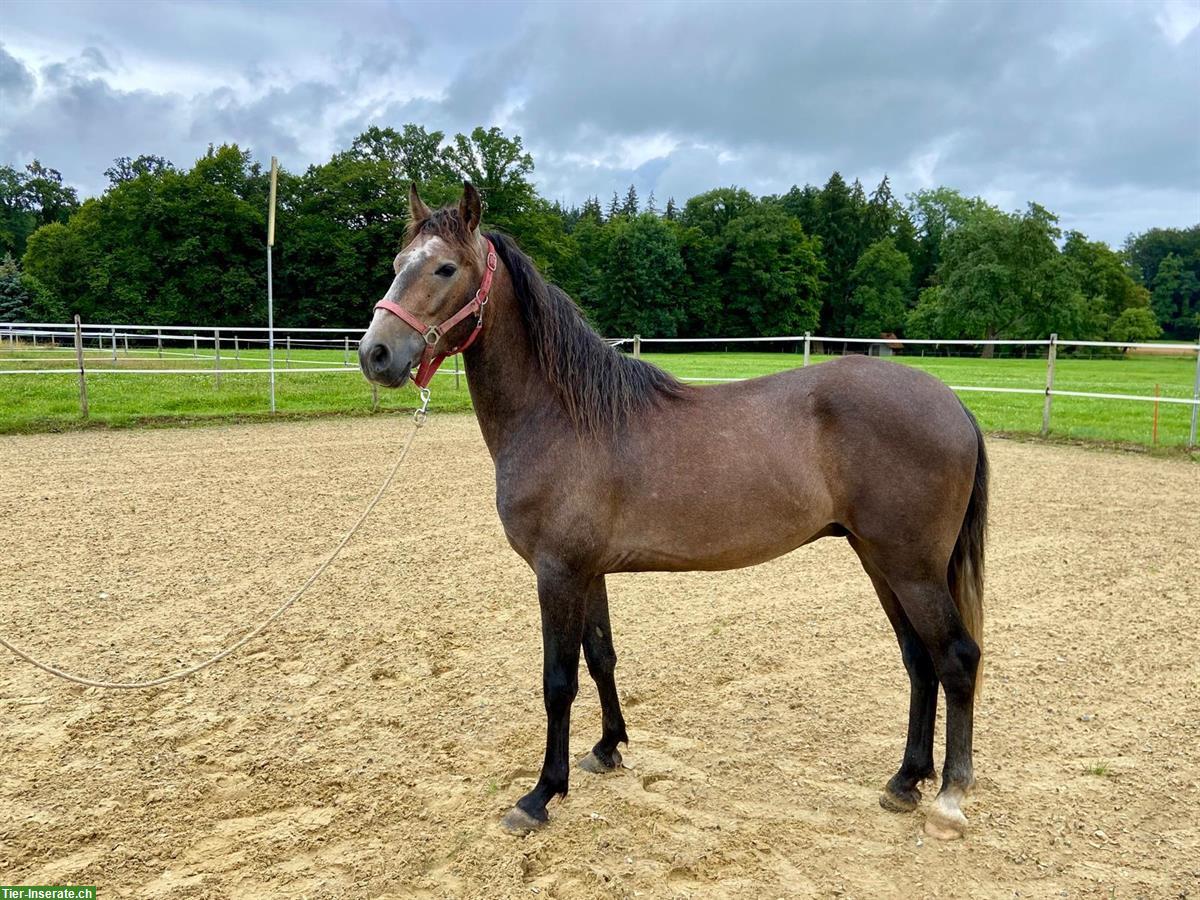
(379, 357)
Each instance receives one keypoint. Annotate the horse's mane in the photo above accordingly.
(599, 388)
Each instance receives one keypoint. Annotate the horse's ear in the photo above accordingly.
(470, 207)
(417, 209)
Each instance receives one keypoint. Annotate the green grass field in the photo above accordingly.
(51, 402)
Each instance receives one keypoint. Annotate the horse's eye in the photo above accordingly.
(446, 270)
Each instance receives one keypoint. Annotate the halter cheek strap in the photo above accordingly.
(430, 358)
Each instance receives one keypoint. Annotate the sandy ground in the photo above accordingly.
(368, 746)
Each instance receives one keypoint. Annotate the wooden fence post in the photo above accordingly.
(217, 355)
(114, 346)
(237, 349)
(637, 346)
(1195, 399)
(287, 362)
(195, 346)
(346, 352)
(160, 343)
(807, 345)
(83, 404)
(1051, 355)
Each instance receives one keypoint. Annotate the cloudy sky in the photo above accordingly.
(1091, 109)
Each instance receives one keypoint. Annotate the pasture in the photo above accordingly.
(50, 402)
(367, 746)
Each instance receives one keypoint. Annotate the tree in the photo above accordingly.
(591, 211)
(643, 280)
(17, 221)
(839, 216)
(49, 199)
(126, 169)
(166, 247)
(671, 213)
(1104, 281)
(630, 207)
(881, 213)
(29, 200)
(1002, 276)
(879, 285)
(22, 297)
(499, 168)
(1176, 297)
(1135, 324)
(713, 211)
(614, 207)
(934, 214)
(773, 282)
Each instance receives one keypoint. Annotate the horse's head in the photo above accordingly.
(438, 272)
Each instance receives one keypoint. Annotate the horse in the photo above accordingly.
(605, 463)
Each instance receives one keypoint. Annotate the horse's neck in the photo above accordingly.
(506, 384)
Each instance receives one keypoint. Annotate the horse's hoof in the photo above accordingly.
(594, 764)
(946, 822)
(517, 821)
(899, 803)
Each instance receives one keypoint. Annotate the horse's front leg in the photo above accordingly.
(562, 595)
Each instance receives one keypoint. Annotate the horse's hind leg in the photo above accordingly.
(930, 608)
(902, 793)
(601, 662)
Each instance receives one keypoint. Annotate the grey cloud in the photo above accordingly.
(16, 81)
(1088, 108)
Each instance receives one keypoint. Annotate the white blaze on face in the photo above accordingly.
(410, 263)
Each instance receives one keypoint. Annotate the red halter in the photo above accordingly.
(430, 358)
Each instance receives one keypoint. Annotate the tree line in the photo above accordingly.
(173, 246)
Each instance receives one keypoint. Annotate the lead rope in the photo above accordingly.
(418, 420)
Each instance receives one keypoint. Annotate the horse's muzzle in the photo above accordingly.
(383, 365)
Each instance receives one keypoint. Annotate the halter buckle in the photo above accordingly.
(432, 335)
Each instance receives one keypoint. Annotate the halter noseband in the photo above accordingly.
(430, 358)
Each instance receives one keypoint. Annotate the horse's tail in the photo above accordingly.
(965, 572)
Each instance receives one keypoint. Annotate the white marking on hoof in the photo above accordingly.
(946, 821)
(517, 821)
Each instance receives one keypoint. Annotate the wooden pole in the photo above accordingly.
(83, 404)
(195, 346)
(287, 361)
(1195, 399)
(217, 355)
(160, 343)
(237, 349)
(271, 279)
(637, 346)
(1051, 355)
(807, 345)
(346, 352)
(114, 346)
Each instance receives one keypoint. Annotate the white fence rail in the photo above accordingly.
(101, 342)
